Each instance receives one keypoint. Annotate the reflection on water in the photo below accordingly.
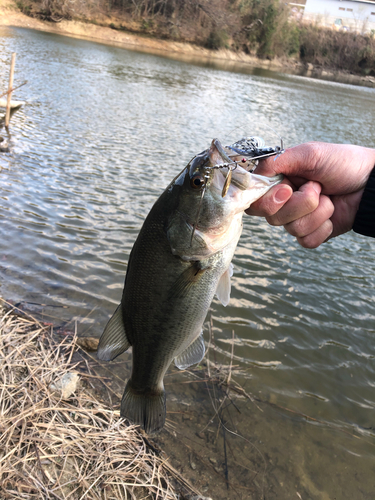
(103, 133)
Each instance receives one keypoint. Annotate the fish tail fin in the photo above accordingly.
(146, 408)
(113, 341)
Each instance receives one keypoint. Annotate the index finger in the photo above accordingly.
(297, 163)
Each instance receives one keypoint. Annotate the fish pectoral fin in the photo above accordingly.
(187, 279)
(113, 341)
(146, 408)
(192, 355)
(224, 286)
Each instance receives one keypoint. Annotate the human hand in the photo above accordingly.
(320, 195)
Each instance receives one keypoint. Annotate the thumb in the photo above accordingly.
(297, 163)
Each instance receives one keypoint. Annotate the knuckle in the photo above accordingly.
(326, 205)
(273, 220)
(312, 152)
(296, 228)
(307, 242)
(317, 237)
(312, 201)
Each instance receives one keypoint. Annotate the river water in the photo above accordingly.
(103, 132)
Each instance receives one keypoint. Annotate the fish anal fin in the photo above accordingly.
(113, 341)
(224, 286)
(192, 355)
(146, 408)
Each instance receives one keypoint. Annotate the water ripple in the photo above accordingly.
(103, 133)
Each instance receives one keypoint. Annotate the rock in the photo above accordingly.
(88, 343)
(66, 386)
(4, 147)
(193, 465)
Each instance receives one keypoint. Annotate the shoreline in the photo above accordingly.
(59, 413)
(221, 59)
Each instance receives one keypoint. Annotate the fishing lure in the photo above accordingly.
(252, 149)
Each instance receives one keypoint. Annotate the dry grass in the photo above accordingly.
(73, 449)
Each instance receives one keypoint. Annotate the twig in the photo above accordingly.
(226, 471)
(45, 478)
(12, 89)
(80, 446)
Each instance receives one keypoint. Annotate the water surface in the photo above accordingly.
(103, 132)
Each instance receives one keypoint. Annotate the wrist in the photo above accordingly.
(364, 222)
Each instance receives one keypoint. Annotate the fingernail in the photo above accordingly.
(317, 187)
(282, 195)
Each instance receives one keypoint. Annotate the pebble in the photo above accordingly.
(4, 148)
(66, 386)
(193, 465)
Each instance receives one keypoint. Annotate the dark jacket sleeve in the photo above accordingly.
(364, 222)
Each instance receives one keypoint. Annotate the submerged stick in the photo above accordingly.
(12, 64)
(12, 89)
(226, 469)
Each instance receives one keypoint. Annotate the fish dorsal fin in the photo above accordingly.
(192, 355)
(223, 287)
(113, 341)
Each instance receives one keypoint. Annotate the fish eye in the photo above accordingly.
(197, 181)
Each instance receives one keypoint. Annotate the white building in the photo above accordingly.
(356, 15)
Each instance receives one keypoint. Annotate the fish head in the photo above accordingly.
(214, 191)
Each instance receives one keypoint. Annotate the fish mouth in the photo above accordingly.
(242, 180)
(233, 170)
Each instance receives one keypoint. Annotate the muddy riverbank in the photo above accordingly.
(57, 438)
(64, 430)
(223, 59)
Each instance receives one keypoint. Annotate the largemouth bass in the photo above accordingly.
(180, 260)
